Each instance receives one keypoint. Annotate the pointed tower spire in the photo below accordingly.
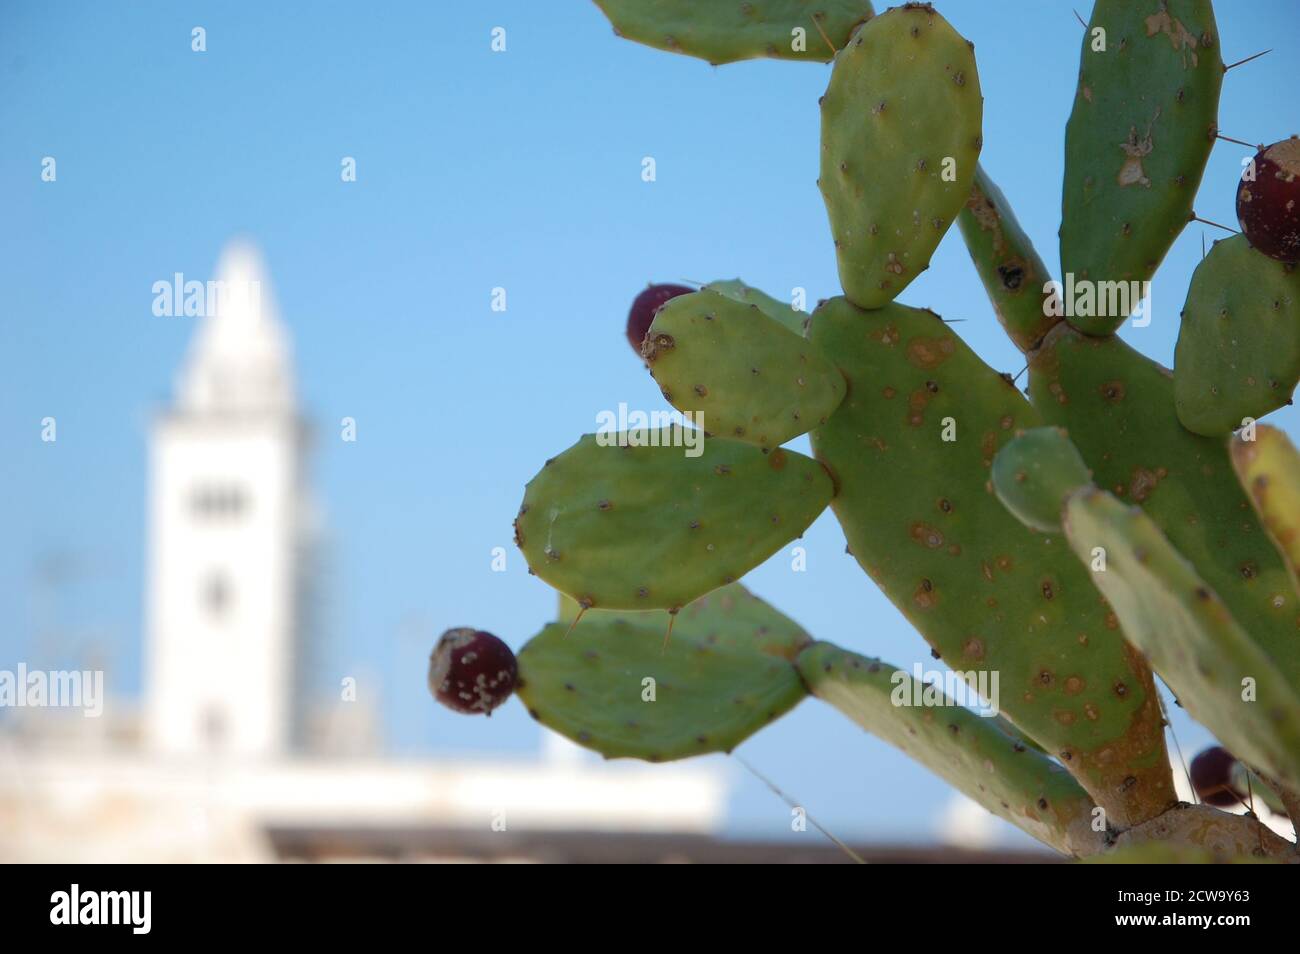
(239, 360)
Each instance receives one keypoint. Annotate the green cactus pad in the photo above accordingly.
(987, 593)
(1238, 351)
(1269, 469)
(1118, 406)
(748, 377)
(1034, 474)
(726, 672)
(647, 527)
(901, 126)
(734, 288)
(1013, 274)
(1180, 624)
(998, 771)
(725, 31)
(1143, 124)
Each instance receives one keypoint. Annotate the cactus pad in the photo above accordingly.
(1034, 474)
(1238, 349)
(1269, 469)
(1143, 124)
(748, 377)
(901, 126)
(726, 673)
(1012, 273)
(725, 31)
(1119, 409)
(1181, 625)
(1008, 778)
(648, 527)
(734, 288)
(986, 592)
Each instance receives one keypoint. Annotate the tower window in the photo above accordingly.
(218, 501)
(216, 594)
(212, 725)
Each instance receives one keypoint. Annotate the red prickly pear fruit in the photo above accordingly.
(1268, 201)
(643, 310)
(1211, 773)
(472, 671)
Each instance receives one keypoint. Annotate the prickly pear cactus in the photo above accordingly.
(1075, 544)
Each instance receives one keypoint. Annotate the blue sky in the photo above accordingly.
(475, 169)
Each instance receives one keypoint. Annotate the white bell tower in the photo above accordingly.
(228, 511)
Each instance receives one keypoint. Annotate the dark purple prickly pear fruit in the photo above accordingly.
(1212, 777)
(644, 307)
(472, 671)
(1268, 207)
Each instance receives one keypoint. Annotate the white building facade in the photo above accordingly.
(220, 753)
(228, 513)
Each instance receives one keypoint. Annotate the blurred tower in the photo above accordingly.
(229, 522)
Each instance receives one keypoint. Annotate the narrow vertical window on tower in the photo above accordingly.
(212, 725)
(216, 594)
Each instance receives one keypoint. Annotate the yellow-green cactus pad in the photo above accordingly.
(796, 321)
(901, 124)
(725, 31)
(1218, 672)
(612, 685)
(630, 520)
(744, 375)
(1269, 470)
(1238, 351)
(1035, 473)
